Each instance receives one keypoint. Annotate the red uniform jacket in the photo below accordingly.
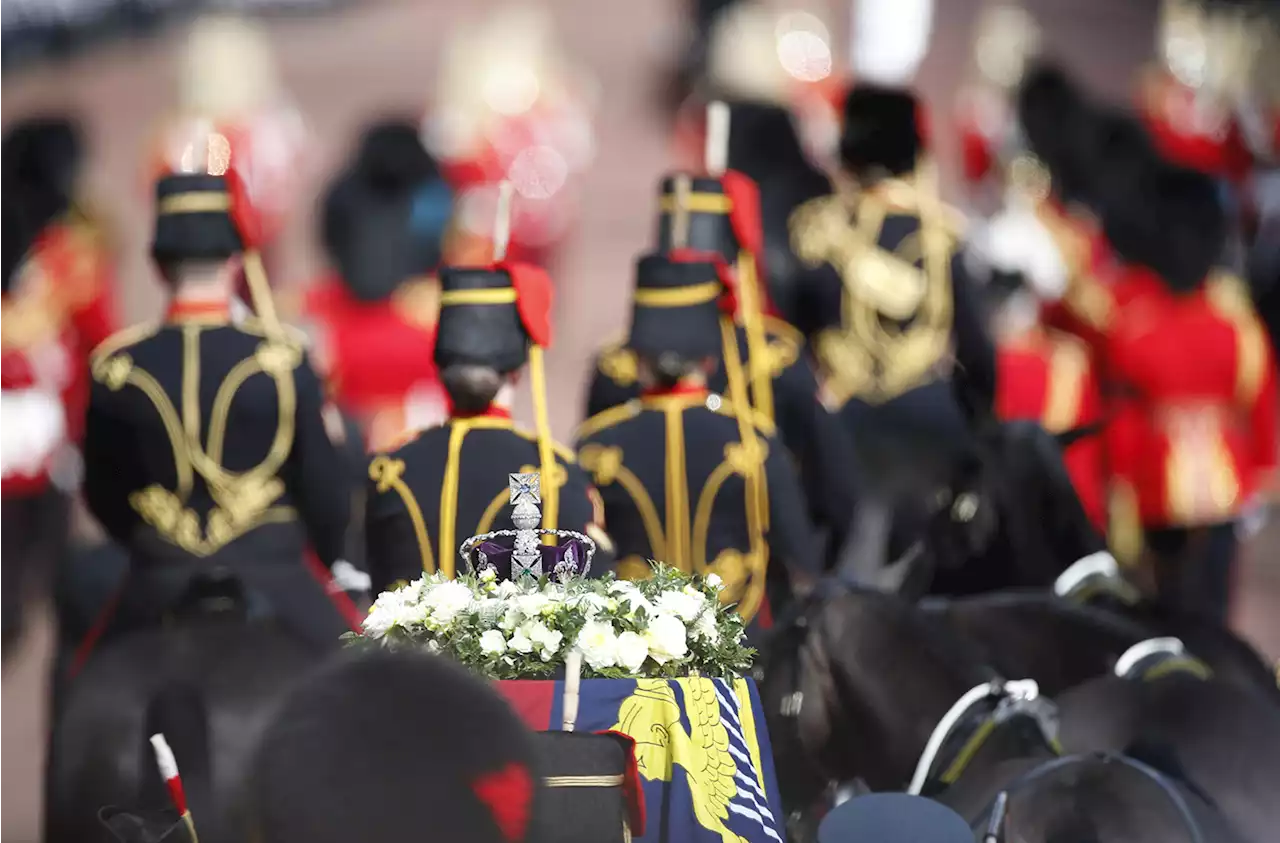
(1204, 137)
(378, 356)
(1046, 376)
(1192, 435)
(57, 310)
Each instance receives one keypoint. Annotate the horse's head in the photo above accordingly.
(852, 680)
(215, 594)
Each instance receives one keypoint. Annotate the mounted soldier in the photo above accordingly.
(762, 364)
(208, 441)
(886, 295)
(688, 476)
(449, 482)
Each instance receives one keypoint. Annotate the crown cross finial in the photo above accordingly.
(526, 494)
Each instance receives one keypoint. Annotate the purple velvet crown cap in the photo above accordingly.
(569, 557)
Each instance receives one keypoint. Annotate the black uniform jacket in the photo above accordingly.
(812, 435)
(205, 447)
(680, 487)
(412, 525)
(892, 320)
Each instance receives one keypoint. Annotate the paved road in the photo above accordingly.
(380, 56)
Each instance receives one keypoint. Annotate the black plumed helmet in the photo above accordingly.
(675, 308)
(386, 746)
(881, 130)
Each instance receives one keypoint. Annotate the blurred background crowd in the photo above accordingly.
(581, 104)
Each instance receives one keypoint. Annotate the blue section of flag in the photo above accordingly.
(706, 764)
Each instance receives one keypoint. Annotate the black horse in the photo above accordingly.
(855, 685)
(1216, 739)
(208, 682)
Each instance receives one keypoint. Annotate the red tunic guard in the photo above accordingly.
(1193, 437)
(57, 310)
(377, 357)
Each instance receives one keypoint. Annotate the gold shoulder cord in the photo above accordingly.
(388, 474)
(458, 429)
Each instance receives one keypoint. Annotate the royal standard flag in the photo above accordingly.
(701, 746)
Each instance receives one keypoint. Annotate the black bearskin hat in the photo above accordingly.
(1119, 158)
(393, 746)
(385, 218)
(763, 141)
(710, 228)
(676, 309)
(1175, 226)
(41, 161)
(194, 219)
(1051, 112)
(881, 130)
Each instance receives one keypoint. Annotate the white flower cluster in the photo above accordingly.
(527, 628)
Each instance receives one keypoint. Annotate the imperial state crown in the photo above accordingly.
(517, 553)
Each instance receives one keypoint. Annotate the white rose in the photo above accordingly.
(666, 638)
(632, 651)
(706, 628)
(389, 610)
(493, 643)
(627, 592)
(544, 639)
(682, 604)
(446, 601)
(715, 582)
(598, 644)
(507, 589)
(531, 605)
(520, 643)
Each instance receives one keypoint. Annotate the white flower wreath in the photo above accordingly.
(671, 624)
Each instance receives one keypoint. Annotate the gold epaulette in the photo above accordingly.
(607, 419)
(122, 339)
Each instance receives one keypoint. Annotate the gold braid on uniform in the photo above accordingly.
(388, 474)
(242, 501)
(896, 320)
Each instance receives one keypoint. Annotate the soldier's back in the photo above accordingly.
(201, 417)
(449, 483)
(670, 471)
